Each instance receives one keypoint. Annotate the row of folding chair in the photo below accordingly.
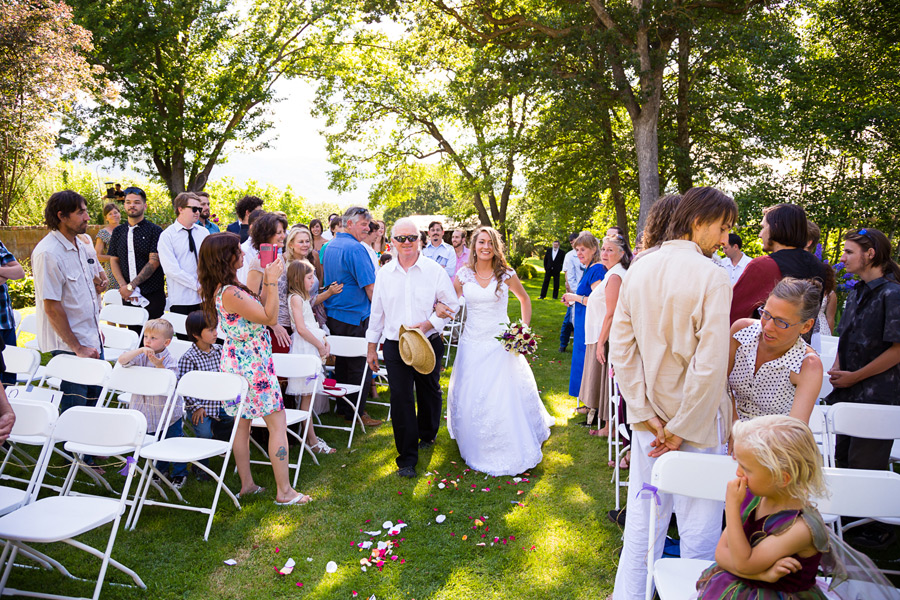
(28, 520)
(705, 476)
(453, 330)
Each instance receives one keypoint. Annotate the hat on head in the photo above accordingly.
(416, 350)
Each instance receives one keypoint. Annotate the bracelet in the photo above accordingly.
(270, 284)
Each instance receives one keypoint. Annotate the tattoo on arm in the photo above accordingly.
(145, 274)
(282, 453)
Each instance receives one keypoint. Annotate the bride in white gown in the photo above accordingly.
(494, 411)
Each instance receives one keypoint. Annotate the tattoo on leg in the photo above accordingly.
(282, 453)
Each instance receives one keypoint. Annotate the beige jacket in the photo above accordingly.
(669, 342)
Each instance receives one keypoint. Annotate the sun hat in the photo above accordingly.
(416, 350)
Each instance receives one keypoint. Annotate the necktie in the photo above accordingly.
(191, 245)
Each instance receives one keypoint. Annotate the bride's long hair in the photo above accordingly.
(498, 262)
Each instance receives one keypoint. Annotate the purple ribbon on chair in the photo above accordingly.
(129, 461)
(652, 490)
(311, 378)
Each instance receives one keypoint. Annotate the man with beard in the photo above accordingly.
(204, 213)
(784, 237)
(458, 240)
(134, 258)
(67, 308)
(669, 347)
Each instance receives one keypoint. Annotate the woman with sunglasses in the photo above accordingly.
(771, 368)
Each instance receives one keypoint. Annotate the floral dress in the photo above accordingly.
(104, 236)
(248, 352)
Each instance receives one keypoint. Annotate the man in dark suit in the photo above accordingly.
(553, 264)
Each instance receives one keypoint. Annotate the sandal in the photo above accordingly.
(296, 500)
(321, 447)
(258, 490)
(582, 410)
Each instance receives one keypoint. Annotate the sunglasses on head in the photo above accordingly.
(405, 238)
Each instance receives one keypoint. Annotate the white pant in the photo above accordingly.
(699, 521)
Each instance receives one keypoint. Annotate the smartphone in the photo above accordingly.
(266, 255)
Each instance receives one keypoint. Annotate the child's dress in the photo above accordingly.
(717, 583)
(302, 386)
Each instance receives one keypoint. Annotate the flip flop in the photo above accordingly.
(259, 490)
(298, 499)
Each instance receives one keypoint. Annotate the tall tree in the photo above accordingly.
(194, 76)
(41, 72)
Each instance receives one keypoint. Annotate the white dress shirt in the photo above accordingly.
(734, 271)
(372, 255)
(179, 263)
(574, 270)
(408, 297)
(444, 255)
(250, 256)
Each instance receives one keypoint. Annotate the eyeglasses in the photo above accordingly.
(779, 323)
(405, 238)
(196, 209)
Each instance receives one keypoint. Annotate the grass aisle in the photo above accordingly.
(558, 542)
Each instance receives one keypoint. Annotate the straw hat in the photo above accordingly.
(416, 350)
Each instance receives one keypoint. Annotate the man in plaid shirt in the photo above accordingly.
(207, 417)
(9, 269)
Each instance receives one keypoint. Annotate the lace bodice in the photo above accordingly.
(486, 314)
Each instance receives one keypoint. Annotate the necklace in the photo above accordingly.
(488, 278)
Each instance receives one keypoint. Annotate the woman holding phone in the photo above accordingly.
(267, 235)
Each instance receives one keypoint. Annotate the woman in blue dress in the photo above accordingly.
(588, 251)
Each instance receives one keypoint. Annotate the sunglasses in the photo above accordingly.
(405, 238)
(196, 209)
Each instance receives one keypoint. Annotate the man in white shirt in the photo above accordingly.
(66, 305)
(179, 248)
(408, 291)
(328, 233)
(735, 260)
(440, 251)
(669, 346)
(574, 271)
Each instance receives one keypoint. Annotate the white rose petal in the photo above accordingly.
(331, 567)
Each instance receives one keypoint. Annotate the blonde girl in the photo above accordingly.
(774, 538)
(307, 338)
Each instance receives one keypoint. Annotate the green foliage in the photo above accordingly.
(515, 259)
(224, 194)
(21, 292)
(195, 77)
(421, 189)
(52, 177)
(526, 271)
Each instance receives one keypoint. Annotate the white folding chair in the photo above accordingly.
(381, 377)
(62, 518)
(75, 369)
(616, 448)
(348, 347)
(29, 325)
(24, 363)
(177, 320)
(703, 476)
(117, 341)
(33, 418)
(149, 381)
(17, 318)
(177, 348)
(126, 316)
(111, 297)
(219, 387)
(293, 365)
(16, 453)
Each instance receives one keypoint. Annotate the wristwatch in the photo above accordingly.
(129, 287)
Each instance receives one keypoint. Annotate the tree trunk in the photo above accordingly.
(646, 144)
(684, 175)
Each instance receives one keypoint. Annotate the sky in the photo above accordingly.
(296, 156)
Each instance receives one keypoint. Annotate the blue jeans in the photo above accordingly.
(9, 337)
(175, 430)
(75, 394)
(567, 329)
(210, 428)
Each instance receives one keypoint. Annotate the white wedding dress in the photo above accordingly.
(494, 411)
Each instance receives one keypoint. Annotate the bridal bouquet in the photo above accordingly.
(518, 338)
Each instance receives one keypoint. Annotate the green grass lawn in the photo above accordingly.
(558, 541)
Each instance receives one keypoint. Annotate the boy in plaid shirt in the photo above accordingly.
(158, 334)
(207, 417)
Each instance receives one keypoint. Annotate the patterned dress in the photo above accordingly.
(103, 235)
(718, 584)
(248, 352)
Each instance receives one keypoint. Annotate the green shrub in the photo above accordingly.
(515, 260)
(21, 292)
(526, 271)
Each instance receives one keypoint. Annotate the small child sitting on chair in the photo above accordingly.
(158, 334)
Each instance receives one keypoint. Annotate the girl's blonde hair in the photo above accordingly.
(785, 446)
(296, 278)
